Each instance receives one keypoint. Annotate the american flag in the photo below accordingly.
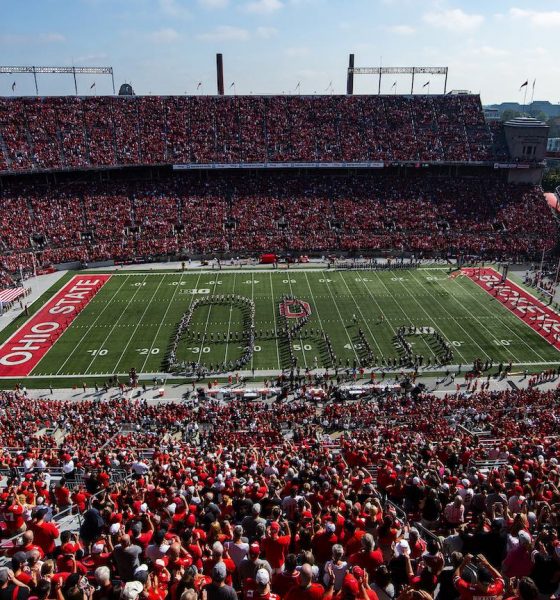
(11, 294)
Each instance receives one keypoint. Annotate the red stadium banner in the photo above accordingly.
(518, 301)
(21, 353)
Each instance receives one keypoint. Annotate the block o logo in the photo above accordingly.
(294, 309)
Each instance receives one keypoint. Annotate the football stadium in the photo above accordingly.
(296, 346)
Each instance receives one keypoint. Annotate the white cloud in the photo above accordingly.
(401, 29)
(264, 7)
(536, 18)
(453, 19)
(225, 33)
(41, 38)
(213, 3)
(174, 8)
(266, 32)
(166, 35)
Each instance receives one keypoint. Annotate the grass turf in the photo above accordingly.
(131, 321)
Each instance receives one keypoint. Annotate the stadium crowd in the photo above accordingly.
(189, 215)
(396, 496)
(76, 132)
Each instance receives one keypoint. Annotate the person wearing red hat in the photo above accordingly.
(67, 559)
(275, 546)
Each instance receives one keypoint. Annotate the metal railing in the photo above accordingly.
(7, 543)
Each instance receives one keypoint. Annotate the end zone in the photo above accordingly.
(21, 353)
(539, 317)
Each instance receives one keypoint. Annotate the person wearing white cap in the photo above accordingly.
(518, 562)
(262, 591)
(132, 590)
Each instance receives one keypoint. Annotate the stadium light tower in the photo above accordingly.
(352, 70)
(10, 70)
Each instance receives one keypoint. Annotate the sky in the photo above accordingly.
(270, 46)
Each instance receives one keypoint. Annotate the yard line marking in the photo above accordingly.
(458, 323)
(274, 315)
(301, 343)
(229, 322)
(92, 325)
(138, 324)
(505, 323)
(315, 305)
(207, 321)
(252, 300)
(396, 302)
(165, 316)
(389, 295)
(341, 319)
(114, 325)
(361, 313)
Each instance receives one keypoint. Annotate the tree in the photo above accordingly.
(509, 114)
(551, 179)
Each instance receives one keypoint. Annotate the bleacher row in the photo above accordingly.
(190, 215)
(83, 132)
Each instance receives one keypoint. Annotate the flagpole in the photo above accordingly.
(533, 92)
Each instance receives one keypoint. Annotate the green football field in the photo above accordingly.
(133, 319)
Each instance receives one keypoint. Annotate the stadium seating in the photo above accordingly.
(187, 215)
(74, 132)
(479, 470)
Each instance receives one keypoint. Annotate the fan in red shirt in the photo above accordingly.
(490, 583)
(262, 588)
(14, 515)
(323, 541)
(283, 582)
(368, 558)
(44, 533)
(306, 590)
(275, 546)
